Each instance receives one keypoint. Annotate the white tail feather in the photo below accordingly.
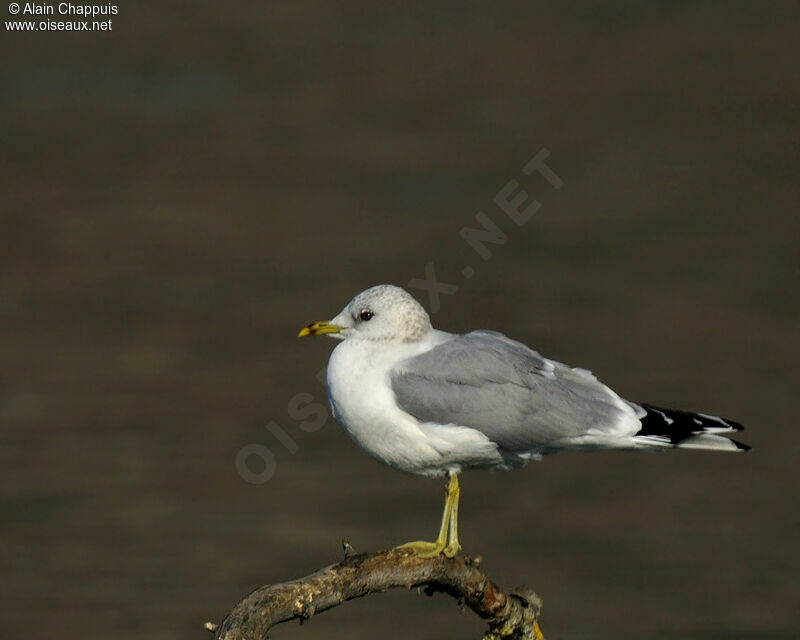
(710, 442)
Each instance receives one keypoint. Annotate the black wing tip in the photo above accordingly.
(735, 426)
(679, 414)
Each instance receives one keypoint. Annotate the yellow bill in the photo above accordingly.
(318, 329)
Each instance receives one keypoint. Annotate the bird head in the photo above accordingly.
(384, 313)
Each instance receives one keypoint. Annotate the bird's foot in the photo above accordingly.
(424, 549)
(432, 549)
(447, 541)
(452, 549)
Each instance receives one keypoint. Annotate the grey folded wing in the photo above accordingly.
(518, 399)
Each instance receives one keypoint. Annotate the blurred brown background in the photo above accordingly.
(182, 194)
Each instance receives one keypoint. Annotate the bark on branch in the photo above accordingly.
(511, 616)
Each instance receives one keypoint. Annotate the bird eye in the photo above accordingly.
(365, 315)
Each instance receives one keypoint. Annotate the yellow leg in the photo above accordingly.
(447, 540)
(453, 492)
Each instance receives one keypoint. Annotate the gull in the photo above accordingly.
(435, 404)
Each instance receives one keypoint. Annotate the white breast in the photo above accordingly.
(363, 404)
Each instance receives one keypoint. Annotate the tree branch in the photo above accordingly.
(510, 616)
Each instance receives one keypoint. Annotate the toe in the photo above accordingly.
(423, 549)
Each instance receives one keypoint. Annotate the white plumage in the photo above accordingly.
(429, 402)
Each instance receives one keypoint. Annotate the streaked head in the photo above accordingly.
(384, 313)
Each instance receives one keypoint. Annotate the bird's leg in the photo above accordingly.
(447, 540)
(453, 494)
